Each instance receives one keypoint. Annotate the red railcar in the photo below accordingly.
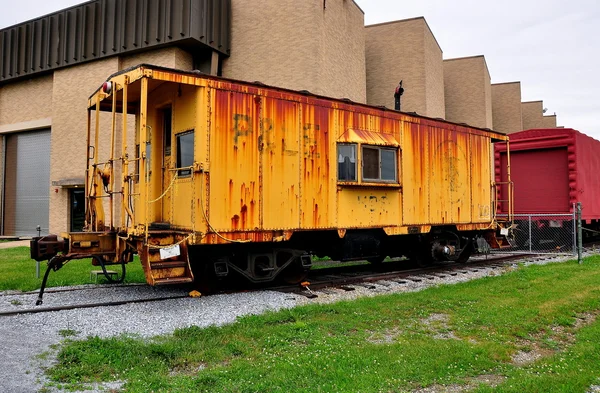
(552, 169)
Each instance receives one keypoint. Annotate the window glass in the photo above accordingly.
(388, 164)
(185, 152)
(370, 163)
(167, 130)
(347, 162)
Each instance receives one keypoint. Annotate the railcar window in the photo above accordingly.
(167, 117)
(347, 162)
(379, 164)
(185, 153)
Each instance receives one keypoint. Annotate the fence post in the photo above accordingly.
(574, 234)
(530, 239)
(579, 239)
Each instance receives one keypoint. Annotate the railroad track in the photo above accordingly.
(345, 278)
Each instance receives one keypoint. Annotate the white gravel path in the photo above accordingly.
(24, 337)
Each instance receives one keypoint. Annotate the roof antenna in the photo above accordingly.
(397, 94)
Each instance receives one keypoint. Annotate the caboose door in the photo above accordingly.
(167, 164)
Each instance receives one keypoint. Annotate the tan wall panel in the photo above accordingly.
(532, 114)
(26, 100)
(299, 45)
(467, 91)
(168, 57)
(506, 107)
(396, 51)
(549, 121)
(434, 77)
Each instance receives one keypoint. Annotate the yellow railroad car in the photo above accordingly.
(225, 177)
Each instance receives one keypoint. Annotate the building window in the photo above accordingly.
(346, 162)
(185, 153)
(379, 164)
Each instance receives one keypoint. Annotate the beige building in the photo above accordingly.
(405, 50)
(468, 91)
(549, 121)
(506, 107)
(533, 116)
(302, 45)
(311, 45)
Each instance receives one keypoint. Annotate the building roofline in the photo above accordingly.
(506, 83)
(408, 20)
(472, 57)
(357, 6)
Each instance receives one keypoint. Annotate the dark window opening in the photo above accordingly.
(167, 116)
(185, 153)
(379, 164)
(77, 202)
(347, 162)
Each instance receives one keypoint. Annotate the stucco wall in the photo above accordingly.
(467, 90)
(405, 50)
(532, 114)
(506, 107)
(299, 45)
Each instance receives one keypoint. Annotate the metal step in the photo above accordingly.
(167, 264)
(172, 281)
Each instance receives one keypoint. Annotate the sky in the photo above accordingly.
(551, 47)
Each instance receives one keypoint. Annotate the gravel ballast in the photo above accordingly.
(24, 337)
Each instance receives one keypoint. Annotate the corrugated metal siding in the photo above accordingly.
(574, 173)
(27, 184)
(104, 28)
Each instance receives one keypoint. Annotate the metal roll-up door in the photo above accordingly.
(27, 183)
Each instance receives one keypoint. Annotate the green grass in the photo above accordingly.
(394, 343)
(18, 271)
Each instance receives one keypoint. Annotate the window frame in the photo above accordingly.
(356, 160)
(188, 171)
(379, 149)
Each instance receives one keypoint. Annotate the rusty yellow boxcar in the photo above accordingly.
(205, 177)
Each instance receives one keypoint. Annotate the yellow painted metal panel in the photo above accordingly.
(481, 187)
(280, 149)
(317, 193)
(449, 195)
(368, 207)
(234, 158)
(415, 174)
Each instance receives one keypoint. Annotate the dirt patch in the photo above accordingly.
(470, 384)
(386, 337)
(560, 336)
(437, 324)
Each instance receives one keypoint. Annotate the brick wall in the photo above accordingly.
(26, 101)
(405, 50)
(467, 91)
(532, 114)
(171, 57)
(299, 45)
(506, 107)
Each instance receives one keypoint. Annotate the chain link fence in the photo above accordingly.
(544, 234)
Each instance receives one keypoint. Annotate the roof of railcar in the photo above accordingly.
(141, 68)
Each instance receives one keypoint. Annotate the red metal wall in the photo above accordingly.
(552, 169)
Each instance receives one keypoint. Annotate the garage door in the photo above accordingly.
(27, 183)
